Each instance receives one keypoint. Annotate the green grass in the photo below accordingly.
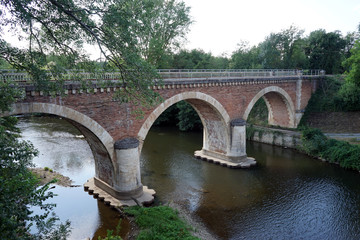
(161, 222)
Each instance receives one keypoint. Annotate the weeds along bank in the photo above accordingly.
(310, 141)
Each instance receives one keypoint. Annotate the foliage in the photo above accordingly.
(197, 59)
(259, 113)
(353, 64)
(325, 51)
(182, 115)
(188, 118)
(245, 57)
(127, 33)
(19, 192)
(159, 222)
(315, 143)
(162, 28)
(326, 98)
(350, 91)
(284, 50)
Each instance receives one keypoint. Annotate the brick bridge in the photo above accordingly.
(223, 100)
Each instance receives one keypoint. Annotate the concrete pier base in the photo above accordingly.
(145, 198)
(245, 162)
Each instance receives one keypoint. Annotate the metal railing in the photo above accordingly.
(233, 73)
(169, 74)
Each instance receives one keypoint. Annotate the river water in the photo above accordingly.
(287, 196)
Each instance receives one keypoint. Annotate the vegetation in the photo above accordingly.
(286, 49)
(316, 144)
(181, 115)
(161, 222)
(259, 113)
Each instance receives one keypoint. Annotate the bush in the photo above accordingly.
(315, 143)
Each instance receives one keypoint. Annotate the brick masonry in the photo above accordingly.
(104, 121)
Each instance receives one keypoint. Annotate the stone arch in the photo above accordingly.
(100, 141)
(281, 107)
(213, 115)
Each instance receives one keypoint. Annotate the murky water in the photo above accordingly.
(287, 196)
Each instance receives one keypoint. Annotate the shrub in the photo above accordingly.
(315, 143)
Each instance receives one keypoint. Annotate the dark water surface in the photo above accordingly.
(287, 196)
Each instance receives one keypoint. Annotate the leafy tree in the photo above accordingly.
(198, 59)
(18, 186)
(163, 24)
(284, 50)
(126, 32)
(350, 91)
(245, 57)
(188, 118)
(325, 51)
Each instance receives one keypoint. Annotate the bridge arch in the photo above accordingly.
(213, 115)
(100, 141)
(280, 106)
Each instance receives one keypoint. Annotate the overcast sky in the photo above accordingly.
(219, 25)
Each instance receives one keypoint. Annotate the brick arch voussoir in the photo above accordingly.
(283, 94)
(66, 112)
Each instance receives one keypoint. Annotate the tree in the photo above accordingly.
(198, 59)
(163, 25)
(325, 51)
(245, 57)
(284, 50)
(350, 90)
(127, 33)
(188, 118)
(18, 186)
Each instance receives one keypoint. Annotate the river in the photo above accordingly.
(287, 196)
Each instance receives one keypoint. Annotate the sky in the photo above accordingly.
(219, 25)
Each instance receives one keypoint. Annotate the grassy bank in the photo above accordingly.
(316, 144)
(160, 222)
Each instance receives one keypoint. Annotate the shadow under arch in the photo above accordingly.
(99, 140)
(213, 115)
(280, 106)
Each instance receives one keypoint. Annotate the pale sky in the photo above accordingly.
(220, 25)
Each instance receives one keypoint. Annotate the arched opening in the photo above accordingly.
(167, 154)
(100, 142)
(281, 110)
(213, 116)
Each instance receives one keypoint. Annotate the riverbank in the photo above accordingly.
(340, 149)
(46, 175)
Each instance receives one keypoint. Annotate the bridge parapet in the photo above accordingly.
(171, 75)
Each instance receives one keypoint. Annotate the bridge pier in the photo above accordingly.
(127, 189)
(236, 153)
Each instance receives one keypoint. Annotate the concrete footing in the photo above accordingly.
(246, 162)
(147, 196)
